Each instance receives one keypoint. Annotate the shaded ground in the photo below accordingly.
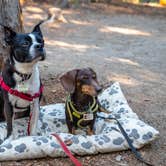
(121, 44)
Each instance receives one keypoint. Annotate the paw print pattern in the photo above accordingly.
(108, 136)
(105, 103)
(109, 129)
(86, 145)
(147, 136)
(113, 91)
(21, 133)
(44, 125)
(102, 139)
(40, 140)
(20, 148)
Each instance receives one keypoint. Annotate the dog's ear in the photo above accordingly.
(89, 68)
(68, 80)
(9, 35)
(37, 28)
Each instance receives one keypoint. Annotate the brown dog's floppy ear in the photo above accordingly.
(68, 80)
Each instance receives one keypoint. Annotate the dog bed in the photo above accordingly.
(107, 136)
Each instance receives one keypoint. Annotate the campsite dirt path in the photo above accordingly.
(121, 44)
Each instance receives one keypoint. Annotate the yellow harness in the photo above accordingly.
(80, 115)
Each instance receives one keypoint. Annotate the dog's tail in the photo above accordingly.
(45, 20)
(37, 26)
(53, 14)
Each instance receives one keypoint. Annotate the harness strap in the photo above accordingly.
(129, 141)
(67, 151)
(69, 111)
(72, 111)
(81, 113)
(22, 95)
(79, 123)
(20, 108)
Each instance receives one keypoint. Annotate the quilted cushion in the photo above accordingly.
(107, 136)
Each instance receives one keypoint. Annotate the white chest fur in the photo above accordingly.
(31, 85)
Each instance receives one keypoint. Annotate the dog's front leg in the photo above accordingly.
(9, 116)
(34, 117)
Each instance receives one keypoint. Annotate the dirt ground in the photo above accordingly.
(122, 43)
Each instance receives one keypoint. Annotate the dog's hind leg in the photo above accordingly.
(9, 115)
(2, 117)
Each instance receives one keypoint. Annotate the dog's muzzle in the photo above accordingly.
(40, 51)
(43, 56)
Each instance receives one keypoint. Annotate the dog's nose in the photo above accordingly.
(38, 46)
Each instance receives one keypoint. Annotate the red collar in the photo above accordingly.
(22, 95)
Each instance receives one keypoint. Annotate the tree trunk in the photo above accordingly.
(11, 16)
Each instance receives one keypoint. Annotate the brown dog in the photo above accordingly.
(82, 104)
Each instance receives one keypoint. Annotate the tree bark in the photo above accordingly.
(11, 16)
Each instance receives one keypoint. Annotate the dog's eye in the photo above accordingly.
(94, 76)
(25, 44)
(85, 77)
(41, 41)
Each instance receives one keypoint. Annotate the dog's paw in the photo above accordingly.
(33, 132)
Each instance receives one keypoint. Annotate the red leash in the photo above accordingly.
(22, 95)
(64, 147)
(67, 151)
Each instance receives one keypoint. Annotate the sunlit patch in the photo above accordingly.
(72, 46)
(69, 12)
(142, 75)
(29, 24)
(35, 16)
(89, 90)
(51, 26)
(148, 75)
(80, 22)
(122, 60)
(33, 9)
(123, 79)
(125, 31)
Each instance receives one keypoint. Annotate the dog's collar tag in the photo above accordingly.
(88, 116)
(22, 87)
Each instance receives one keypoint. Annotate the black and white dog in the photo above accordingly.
(20, 73)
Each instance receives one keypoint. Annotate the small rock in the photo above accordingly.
(147, 100)
(68, 142)
(46, 66)
(118, 158)
(88, 158)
